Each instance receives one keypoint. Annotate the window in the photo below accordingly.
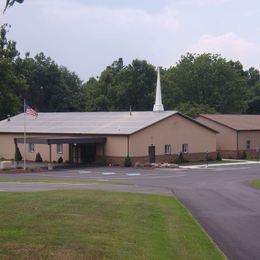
(167, 149)
(31, 148)
(185, 148)
(248, 144)
(59, 148)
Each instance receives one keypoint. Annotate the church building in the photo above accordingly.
(89, 137)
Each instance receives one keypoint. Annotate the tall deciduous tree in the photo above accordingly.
(12, 85)
(51, 87)
(120, 87)
(209, 80)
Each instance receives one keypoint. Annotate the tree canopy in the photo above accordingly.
(208, 80)
(198, 83)
(12, 85)
(45, 85)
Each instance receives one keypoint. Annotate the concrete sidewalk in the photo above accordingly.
(204, 165)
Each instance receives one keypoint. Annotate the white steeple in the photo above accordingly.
(158, 106)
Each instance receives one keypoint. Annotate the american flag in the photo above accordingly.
(30, 111)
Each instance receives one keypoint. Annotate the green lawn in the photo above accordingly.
(255, 183)
(99, 225)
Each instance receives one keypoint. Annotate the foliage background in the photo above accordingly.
(205, 83)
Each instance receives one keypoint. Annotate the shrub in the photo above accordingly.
(101, 161)
(181, 159)
(60, 160)
(18, 157)
(218, 157)
(127, 162)
(177, 160)
(38, 157)
(243, 155)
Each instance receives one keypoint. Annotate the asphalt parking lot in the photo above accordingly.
(218, 197)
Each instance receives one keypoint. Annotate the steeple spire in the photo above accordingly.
(158, 106)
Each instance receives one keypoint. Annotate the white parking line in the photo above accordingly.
(108, 173)
(84, 172)
(133, 174)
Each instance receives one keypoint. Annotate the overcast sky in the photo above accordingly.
(88, 35)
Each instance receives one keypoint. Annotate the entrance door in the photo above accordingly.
(88, 153)
(152, 154)
(74, 154)
(82, 153)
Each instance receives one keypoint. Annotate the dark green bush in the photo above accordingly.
(218, 157)
(18, 157)
(243, 155)
(101, 161)
(60, 160)
(38, 157)
(181, 159)
(127, 162)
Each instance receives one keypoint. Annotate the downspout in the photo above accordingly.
(128, 146)
(237, 147)
(16, 148)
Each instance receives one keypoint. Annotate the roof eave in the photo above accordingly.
(217, 122)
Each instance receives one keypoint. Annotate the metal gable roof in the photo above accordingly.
(236, 122)
(114, 123)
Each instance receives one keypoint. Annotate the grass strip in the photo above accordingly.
(255, 184)
(64, 181)
(99, 225)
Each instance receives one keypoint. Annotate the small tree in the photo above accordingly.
(38, 157)
(18, 157)
(218, 158)
(181, 159)
(127, 162)
(243, 155)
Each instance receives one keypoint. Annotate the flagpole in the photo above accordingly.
(24, 134)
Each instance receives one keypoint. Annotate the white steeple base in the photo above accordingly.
(158, 108)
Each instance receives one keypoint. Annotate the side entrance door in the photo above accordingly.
(151, 154)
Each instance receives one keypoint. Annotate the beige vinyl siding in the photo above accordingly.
(7, 147)
(43, 149)
(226, 138)
(175, 131)
(115, 146)
(252, 136)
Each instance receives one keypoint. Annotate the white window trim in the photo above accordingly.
(30, 145)
(185, 148)
(167, 149)
(248, 144)
(59, 151)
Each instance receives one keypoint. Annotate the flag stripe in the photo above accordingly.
(30, 111)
